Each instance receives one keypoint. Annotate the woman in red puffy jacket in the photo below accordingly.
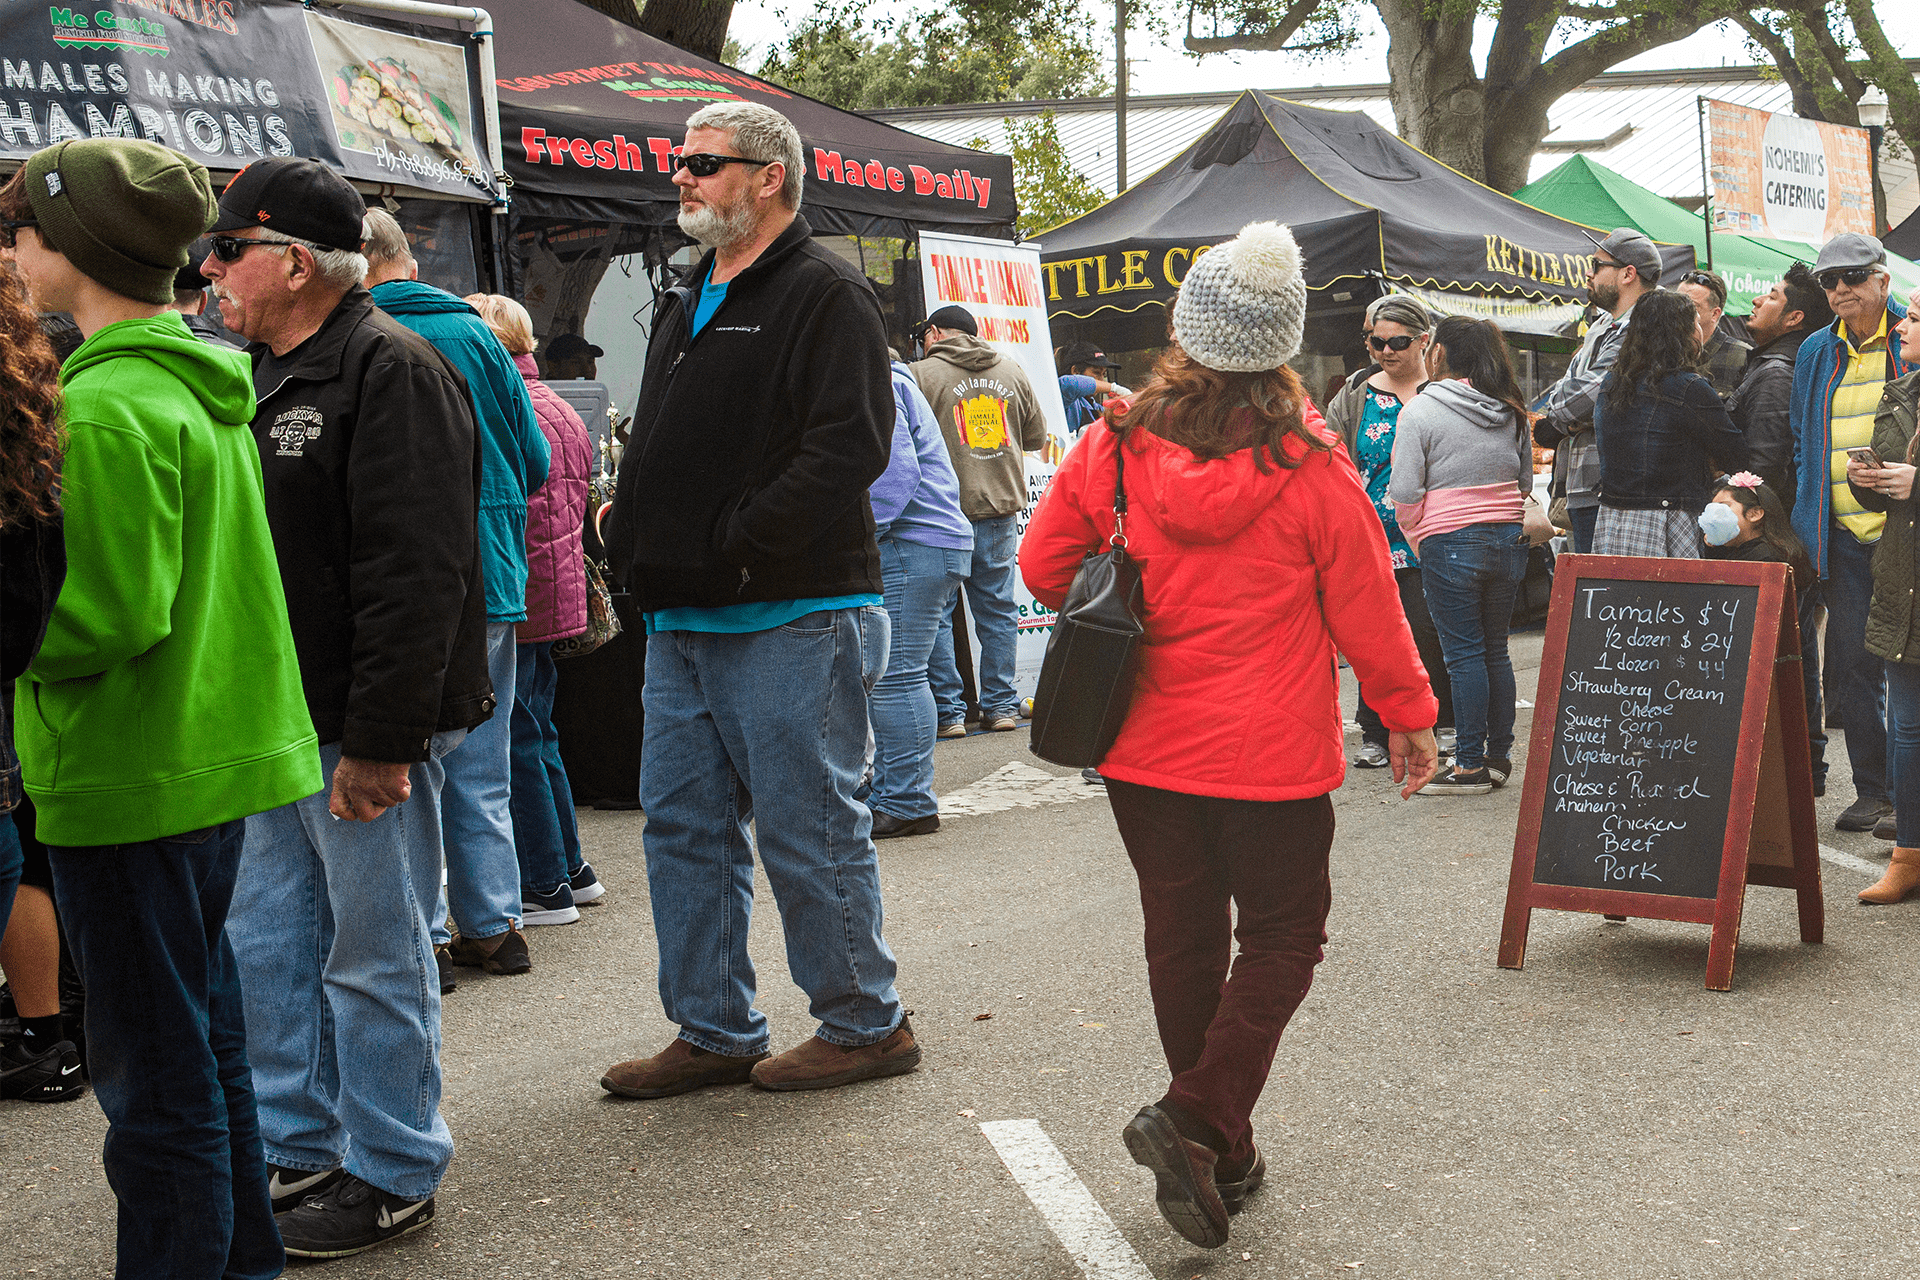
(1260, 555)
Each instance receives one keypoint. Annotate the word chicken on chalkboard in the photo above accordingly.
(1670, 692)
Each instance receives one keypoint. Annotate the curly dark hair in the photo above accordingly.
(1663, 338)
(30, 442)
(1214, 414)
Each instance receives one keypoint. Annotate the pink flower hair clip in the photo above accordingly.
(1745, 480)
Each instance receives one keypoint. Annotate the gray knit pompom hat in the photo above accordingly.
(1243, 303)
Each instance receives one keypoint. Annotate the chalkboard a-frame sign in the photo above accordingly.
(1667, 768)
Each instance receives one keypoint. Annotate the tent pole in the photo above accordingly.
(1120, 95)
(1706, 179)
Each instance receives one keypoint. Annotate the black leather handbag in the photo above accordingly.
(1086, 679)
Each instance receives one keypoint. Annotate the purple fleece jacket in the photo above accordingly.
(917, 498)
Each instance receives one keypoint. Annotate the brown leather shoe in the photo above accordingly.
(679, 1068)
(1184, 1190)
(818, 1064)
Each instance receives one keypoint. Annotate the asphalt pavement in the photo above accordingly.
(1597, 1114)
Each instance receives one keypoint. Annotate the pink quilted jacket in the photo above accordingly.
(556, 515)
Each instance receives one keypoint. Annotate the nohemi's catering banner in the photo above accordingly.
(1786, 178)
(999, 283)
(228, 82)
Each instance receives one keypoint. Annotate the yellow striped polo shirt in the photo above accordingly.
(1855, 402)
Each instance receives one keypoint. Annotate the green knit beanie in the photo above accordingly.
(121, 211)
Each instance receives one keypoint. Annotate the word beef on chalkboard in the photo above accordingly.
(1645, 737)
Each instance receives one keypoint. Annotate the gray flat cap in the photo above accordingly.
(1850, 249)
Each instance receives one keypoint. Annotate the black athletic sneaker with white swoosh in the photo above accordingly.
(52, 1076)
(289, 1187)
(349, 1217)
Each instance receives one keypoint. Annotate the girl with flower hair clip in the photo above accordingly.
(1747, 521)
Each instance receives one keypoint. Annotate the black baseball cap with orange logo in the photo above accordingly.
(294, 197)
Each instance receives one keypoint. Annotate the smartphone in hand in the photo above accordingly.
(1866, 457)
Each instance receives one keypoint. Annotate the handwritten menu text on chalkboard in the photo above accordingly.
(1648, 725)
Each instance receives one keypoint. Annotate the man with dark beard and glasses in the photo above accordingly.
(741, 525)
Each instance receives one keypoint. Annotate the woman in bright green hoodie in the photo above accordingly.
(165, 704)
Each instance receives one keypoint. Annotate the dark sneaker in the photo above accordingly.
(509, 953)
(1455, 783)
(1183, 1177)
(289, 1187)
(553, 907)
(1236, 1182)
(1499, 770)
(349, 1217)
(1092, 778)
(443, 961)
(1863, 815)
(53, 1075)
(679, 1068)
(1886, 829)
(888, 827)
(586, 886)
(1371, 755)
(818, 1064)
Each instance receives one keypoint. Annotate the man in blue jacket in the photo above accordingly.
(1837, 380)
(483, 873)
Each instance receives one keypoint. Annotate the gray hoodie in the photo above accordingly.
(988, 414)
(1459, 458)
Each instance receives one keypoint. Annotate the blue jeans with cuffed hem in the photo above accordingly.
(12, 858)
(483, 871)
(1471, 576)
(330, 925)
(920, 583)
(545, 836)
(768, 727)
(167, 1048)
(1859, 677)
(996, 623)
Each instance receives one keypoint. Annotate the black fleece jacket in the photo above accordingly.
(1762, 407)
(754, 441)
(372, 471)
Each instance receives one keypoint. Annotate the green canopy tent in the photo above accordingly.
(1594, 194)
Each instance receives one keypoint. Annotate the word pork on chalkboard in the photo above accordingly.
(1661, 710)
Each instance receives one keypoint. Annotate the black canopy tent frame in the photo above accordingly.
(1368, 210)
(1905, 238)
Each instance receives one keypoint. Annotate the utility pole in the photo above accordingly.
(1120, 95)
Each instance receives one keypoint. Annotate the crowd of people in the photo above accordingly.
(263, 611)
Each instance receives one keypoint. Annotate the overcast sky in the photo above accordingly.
(1161, 66)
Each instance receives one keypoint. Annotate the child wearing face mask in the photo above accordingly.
(1747, 521)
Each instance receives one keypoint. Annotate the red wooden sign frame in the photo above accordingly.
(1771, 838)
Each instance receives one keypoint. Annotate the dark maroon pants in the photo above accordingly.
(1198, 859)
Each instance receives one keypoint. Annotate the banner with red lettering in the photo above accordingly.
(1000, 286)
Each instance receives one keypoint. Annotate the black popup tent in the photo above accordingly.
(1364, 205)
(1905, 238)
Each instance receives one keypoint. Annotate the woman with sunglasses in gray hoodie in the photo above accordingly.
(1462, 468)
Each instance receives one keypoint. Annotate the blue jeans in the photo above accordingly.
(1584, 519)
(544, 834)
(1859, 677)
(167, 1046)
(483, 871)
(996, 621)
(11, 860)
(920, 584)
(330, 925)
(1471, 576)
(768, 727)
(1903, 734)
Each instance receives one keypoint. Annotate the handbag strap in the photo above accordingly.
(1119, 539)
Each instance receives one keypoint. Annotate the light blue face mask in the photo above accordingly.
(1718, 524)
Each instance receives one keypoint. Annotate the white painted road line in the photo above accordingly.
(1830, 854)
(1077, 1219)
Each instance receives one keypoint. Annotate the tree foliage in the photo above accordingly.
(974, 51)
(1049, 189)
(1828, 54)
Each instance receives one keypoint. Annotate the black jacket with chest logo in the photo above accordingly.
(754, 441)
(372, 470)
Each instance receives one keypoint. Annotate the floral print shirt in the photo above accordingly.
(1374, 447)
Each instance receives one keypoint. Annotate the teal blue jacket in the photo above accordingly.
(514, 456)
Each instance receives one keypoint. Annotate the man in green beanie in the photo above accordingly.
(165, 705)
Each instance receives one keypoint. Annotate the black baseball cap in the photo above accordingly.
(1084, 355)
(949, 317)
(572, 344)
(188, 278)
(294, 197)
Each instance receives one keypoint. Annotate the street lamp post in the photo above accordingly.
(1873, 116)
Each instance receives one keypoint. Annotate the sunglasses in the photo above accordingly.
(1706, 278)
(10, 226)
(1601, 264)
(1399, 342)
(229, 248)
(704, 164)
(1831, 280)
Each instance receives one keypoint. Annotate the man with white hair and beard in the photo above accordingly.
(741, 526)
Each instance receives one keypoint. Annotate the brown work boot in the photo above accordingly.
(1184, 1189)
(818, 1064)
(679, 1068)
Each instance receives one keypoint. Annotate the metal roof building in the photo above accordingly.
(1641, 124)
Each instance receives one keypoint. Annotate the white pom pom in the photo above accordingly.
(1265, 257)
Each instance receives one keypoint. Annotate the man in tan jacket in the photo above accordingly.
(990, 417)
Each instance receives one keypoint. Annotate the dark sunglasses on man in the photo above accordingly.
(704, 164)
(1399, 342)
(229, 248)
(11, 225)
(1856, 276)
(1705, 279)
